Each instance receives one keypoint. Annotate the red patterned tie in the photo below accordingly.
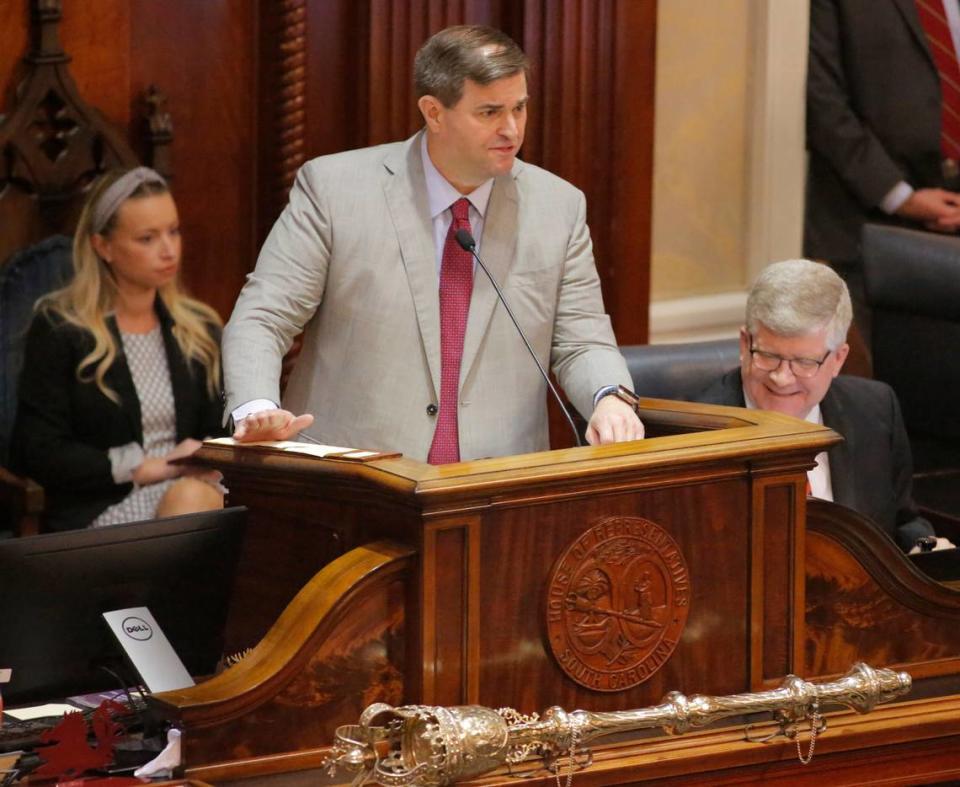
(456, 285)
(944, 53)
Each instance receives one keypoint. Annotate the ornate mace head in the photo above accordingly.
(419, 744)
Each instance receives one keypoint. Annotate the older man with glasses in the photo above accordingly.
(792, 349)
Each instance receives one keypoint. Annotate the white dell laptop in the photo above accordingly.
(148, 649)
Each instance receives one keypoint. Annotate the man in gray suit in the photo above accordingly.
(791, 351)
(405, 346)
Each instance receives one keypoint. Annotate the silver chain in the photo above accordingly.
(814, 729)
(574, 735)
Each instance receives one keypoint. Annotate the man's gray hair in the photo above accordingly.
(450, 57)
(797, 297)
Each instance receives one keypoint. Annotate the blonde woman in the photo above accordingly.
(122, 369)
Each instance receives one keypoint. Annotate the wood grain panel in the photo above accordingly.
(54, 144)
(336, 648)
(14, 38)
(708, 524)
(779, 506)
(592, 123)
(626, 228)
(450, 592)
(859, 588)
(102, 73)
(281, 106)
(203, 56)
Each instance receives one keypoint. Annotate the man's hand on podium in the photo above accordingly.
(270, 425)
(613, 421)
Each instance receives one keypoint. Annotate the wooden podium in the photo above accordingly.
(596, 578)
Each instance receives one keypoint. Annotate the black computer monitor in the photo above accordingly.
(55, 587)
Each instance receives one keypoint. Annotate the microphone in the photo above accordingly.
(467, 243)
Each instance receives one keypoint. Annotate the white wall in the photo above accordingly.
(728, 157)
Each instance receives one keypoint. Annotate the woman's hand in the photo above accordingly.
(184, 448)
(155, 469)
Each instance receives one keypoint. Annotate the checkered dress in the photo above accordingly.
(147, 360)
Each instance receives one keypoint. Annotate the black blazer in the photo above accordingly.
(871, 470)
(873, 118)
(64, 427)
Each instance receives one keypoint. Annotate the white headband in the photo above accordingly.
(120, 190)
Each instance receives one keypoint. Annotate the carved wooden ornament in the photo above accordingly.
(617, 602)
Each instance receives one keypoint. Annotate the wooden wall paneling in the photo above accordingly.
(628, 225)
(397, 30)
(281, 126)
(101, 63)
(203, 56)
(55, 140)
(337, 76)
(591, 122)
(14, 40)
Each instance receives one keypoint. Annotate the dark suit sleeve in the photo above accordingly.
(834, 130)
(727, 390)
(910, 525)
(45, 440)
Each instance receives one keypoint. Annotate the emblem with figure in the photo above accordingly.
(617, 602)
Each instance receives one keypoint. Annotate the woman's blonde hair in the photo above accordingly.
(91, 295)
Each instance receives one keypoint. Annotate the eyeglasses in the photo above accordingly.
(800, 367)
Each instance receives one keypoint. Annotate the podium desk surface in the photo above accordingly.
(682, 433)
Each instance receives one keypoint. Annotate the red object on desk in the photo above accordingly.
(71, 755)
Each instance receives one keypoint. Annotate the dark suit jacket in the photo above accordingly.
(871, 470)
(64, 427)
(873, 118)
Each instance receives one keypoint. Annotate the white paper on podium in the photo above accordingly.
(41, 711)
(294, 447)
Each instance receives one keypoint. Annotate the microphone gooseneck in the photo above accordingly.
(467, 243)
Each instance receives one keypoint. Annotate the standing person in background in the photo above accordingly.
(122, 369)
(883, 126)
(406, 347)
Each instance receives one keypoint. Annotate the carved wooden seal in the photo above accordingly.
(617, 602)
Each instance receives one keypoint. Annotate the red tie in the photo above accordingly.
(456, 284)
(944, 53)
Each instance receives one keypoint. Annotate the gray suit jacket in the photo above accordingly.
(351, 262)
(871, 471)
(873, 118)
